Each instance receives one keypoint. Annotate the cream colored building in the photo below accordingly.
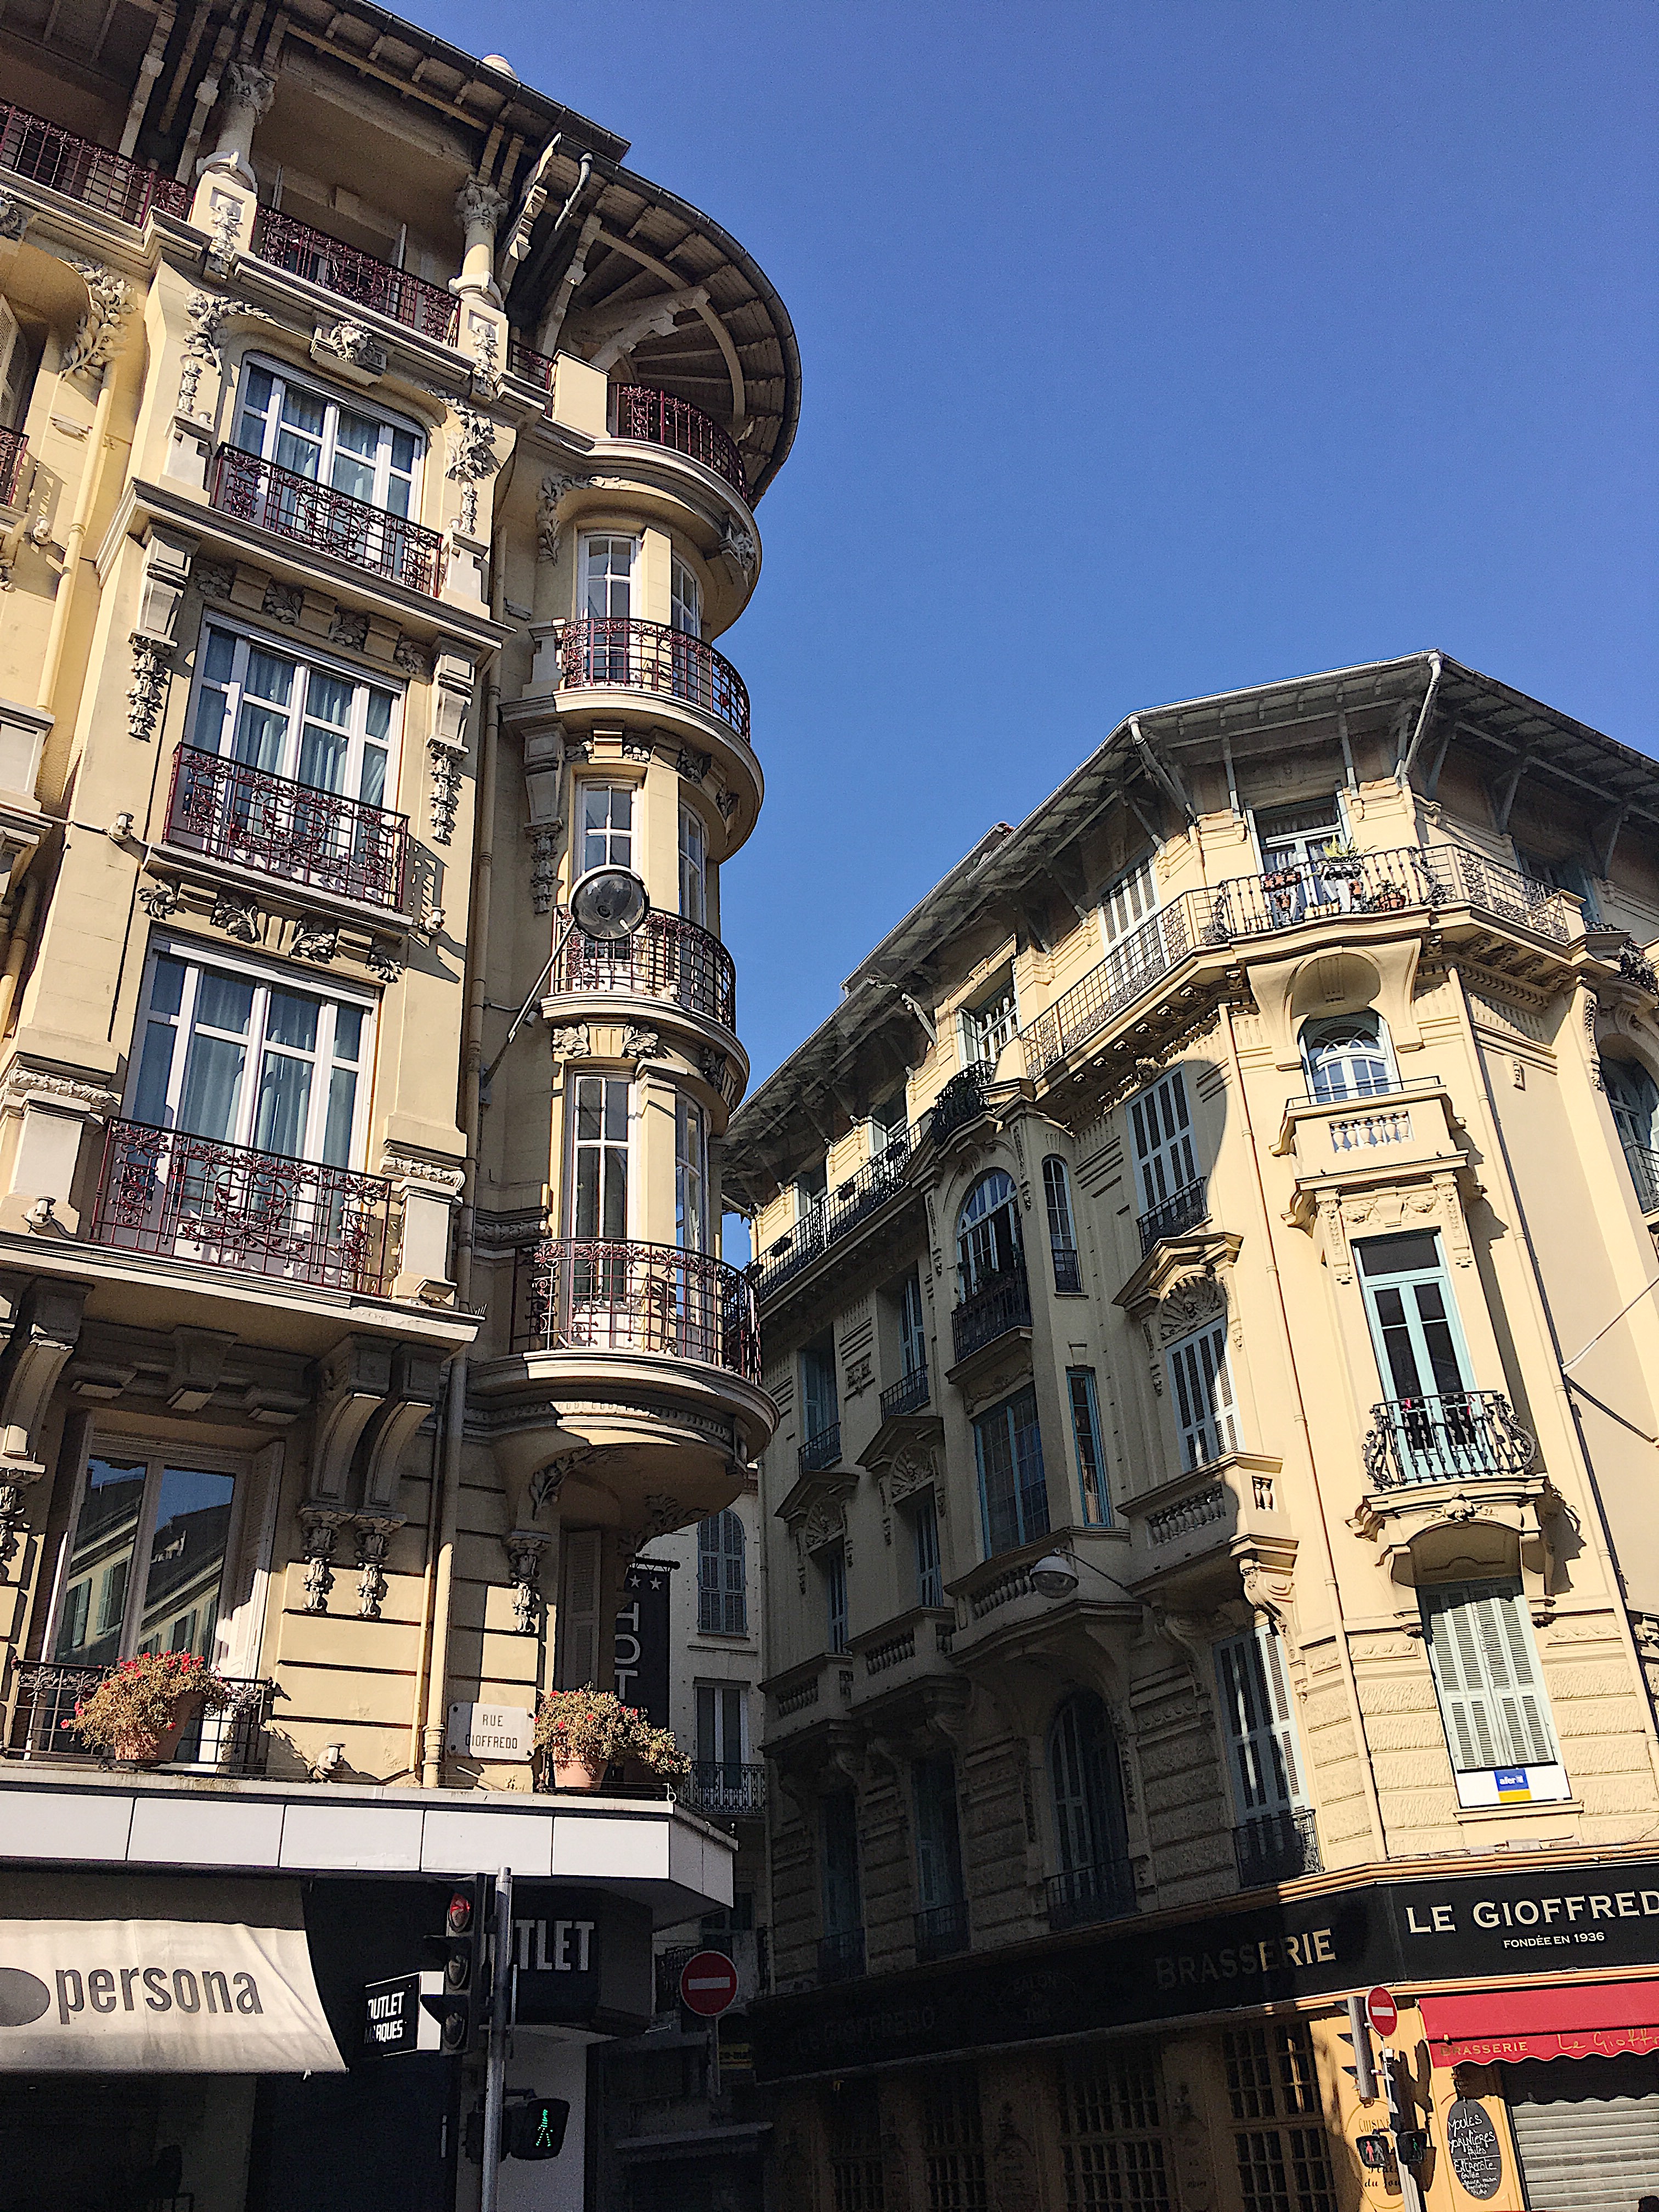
(1203, 1264)
(378, 458)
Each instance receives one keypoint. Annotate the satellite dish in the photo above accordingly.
(608, 903)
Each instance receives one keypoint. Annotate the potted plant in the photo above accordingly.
(1340, 861)
(142, 1706)
(580, 1734)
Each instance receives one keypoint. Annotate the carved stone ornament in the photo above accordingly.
(246, 85)
(320, 1528)
(472, 457)
(740, 548)
(570, 1041)
(98, 334)
(374, 1534)
(382, 962)
(1187, 1307)
(447, 762)
(314, 940)
(641, 1044)
(543, 869)
(159, 901)
(478, 206)
(237, 915)
(353, 343)
(282, 602)
(553, 489)
(524, 1548)
(414, 1167)
(152, 659)
(694, 766)
(825, 1524)
(225, 211)
(14, 218)
(11, 1520)
(727, 803)
(636, 748)
(349, 627)
(206, 311)
(214, 580)
(412, 657)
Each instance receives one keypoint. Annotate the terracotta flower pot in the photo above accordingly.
(143, 1749)
(577, 1773)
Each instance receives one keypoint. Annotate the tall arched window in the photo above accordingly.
(1062, 1231)
(1348, 1057)
(1091, 1829)
(987, 1232)
(1634, 1097)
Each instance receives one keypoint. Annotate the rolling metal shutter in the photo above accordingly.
(1587, 2130)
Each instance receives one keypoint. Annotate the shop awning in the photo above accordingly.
(222, 1985)
(1588, 2019)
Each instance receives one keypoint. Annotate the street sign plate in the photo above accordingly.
(1382, 2012)
(394, 2019)
(708, 1983)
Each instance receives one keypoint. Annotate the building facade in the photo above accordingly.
(1203, 1265)
(379, 458)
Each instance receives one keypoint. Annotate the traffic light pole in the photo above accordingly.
(501, 1985)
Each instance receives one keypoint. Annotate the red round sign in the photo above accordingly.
(708, 1983)
(1382, 2012)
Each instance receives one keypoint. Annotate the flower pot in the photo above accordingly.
(577, 1773)
(144, 1748)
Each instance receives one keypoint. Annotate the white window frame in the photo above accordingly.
(1166, 1154)
(690, 1174)
(694, 866)
(837, 1617)
(1083, 1404)
(233, 690)
(283, 379)
(883, 1136)
(913, 1326)
(984, 1036)
(1203, 1398)
(722, 1696)
(586, 578)
(1129, 902)
(574, 1147)
(926, 1546)
(684, 598)
(265, 979)
(1264, 1757)
(615, 843)
(1491, 1694)
(1351, 1058)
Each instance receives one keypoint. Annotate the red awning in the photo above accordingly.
(1586, 2020)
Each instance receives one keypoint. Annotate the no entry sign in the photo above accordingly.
(708, 1983)
(1382, 2012)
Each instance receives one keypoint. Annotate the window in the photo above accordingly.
(599, 1182)
(607, 583)
(1062, 1236)
(939, 1838)
(857, 2172)
(685, 600)
(177, 1520)
(1421, 1354)
(1348, 1057)
(834, 1570)
(1134, 937)
(235, 1055)
(912, 1330)
(988, 1026)
(838, 1838)
(722, 1732)
(1271, 2077)
(987, 1232)
(607, 826)
(811, 1186)
(1112, 2151)
(890, 1122)
(1202, 1388)
(1562, 875)
(1256, 1707)
(305, 431)
(722, 1576)
(953, 2141)
(694, 867)
(1165, 1162)
(820, 1412)
(1085, 1438)
(1493, 1701)
(690, 1174)
(923, 1529)
(20, 353)
(1634, 1099)
(1013, 1494)
(1092, 1830)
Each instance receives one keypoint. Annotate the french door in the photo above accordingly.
(1420, 1355)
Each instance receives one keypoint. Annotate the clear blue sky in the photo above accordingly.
(1148, 350)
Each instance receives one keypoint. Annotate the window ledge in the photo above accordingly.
(1474, 1815)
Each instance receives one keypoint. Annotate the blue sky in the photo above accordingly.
(1148, 350)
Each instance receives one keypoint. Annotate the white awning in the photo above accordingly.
(197, 1995)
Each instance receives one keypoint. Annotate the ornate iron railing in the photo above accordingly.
(329, 521)
(1276, 1847)
(615, 650)
(1643, 1166)
(821, 1450)
(734, 1790)
(668, 958)
(575, 1295)
(836, 1213)
(841, 1958)
(231, 1740)
(1468, 1433)
(31, 147)
(941, 1931)
(429, 308)
(642, 411)
(1002, 1303)
(908, 1395)
(163, 1192)
(535, 368)
(13, 449)
(961, 1100)
(1186, 1207)
(234, 813)
(1246, 907)
(1082, 1894)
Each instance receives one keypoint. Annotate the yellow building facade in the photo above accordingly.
(1204, 1265)
(378, 458)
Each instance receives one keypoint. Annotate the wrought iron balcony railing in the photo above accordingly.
(1276, 1846)
(908, 1395)
(1103, 1892)
(1643, 1166)
(961, 1100)
(231, 811)
(941, 1931)
(327, 520)
(168, 1193)
(607, 651)
(535, 368)
(579, 1295)
(668, 958)
(642, 411)
(31, 147)
(1406, 878)
(1001, 1304)
(1184, 1210)
(429, 308)
(841, 1958)
(735, 1790)
(836, 1213)
(1466, 1434)
(14, 450)
(821, 1450)
(231, 1740)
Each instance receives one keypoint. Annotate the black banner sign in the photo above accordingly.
(641, 1659)
(580, 1959)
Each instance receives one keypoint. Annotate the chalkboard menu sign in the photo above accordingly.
(1472, 2147)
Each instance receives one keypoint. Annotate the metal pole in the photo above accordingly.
(501, 1983)
(1411, 2195)
(535, 994)
(714, 2059)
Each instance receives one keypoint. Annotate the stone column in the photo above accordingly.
(478, 208)
(226, 192)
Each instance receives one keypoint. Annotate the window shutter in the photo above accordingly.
(1251, 1671)
(1517, 1691)
(708, 1573)
(1491, 1694)
(578, 1625)
(736, 1611)
(1203, 1396)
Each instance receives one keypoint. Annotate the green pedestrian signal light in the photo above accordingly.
(535, 2129)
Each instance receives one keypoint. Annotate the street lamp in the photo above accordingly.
(1055, 1576)
(607, 904)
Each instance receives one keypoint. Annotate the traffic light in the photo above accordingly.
(1373, 2152)
(1411, 2145)
(535, 2129)
(459, 1995)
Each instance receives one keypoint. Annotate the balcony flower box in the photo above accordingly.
(581, 1734)
(144, 1705)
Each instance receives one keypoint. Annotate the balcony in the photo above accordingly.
(232, 1741)
(641, 411)
(729, 1791)
(1002, 1303)
(327, 522)
(1184, 1211)
(1084, 1894)
(14, 450)
(908, 1395)
(578, 1296)
(836, 1215)
(1469, 1434)
(964, 1099)
(668, 959)
(230, 811)
(167, 1195)
(431, 309)
(1644, 1167)
(82, 171)
(841, 1958)
(941, 1931)
(616, 653)
(1278, 1846)
(821, 1450)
